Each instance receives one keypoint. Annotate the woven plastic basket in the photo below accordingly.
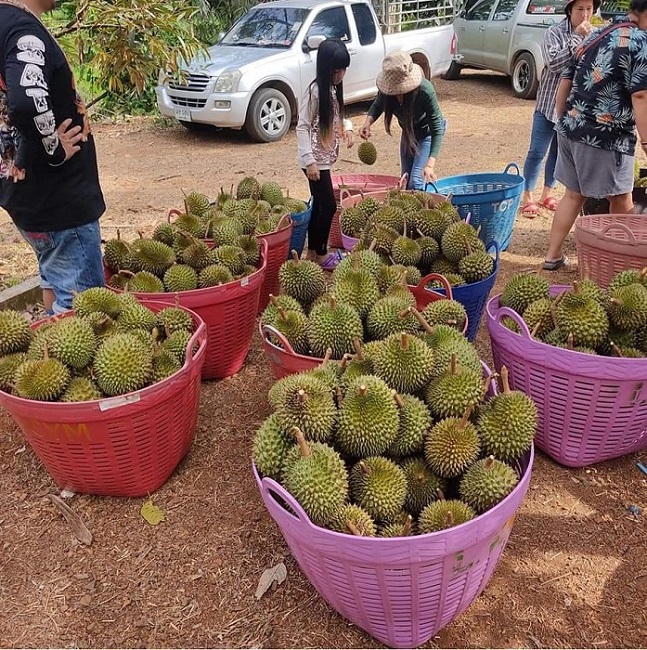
(285, 361)
(125, 446)
(229, 312)
(474, 296)
(610, 243)
(402, 590)
(300, 223)
(278, 248)
(591, 408)
(358, 184)
(491, 199)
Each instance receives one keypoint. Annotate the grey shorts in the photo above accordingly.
(593, 172)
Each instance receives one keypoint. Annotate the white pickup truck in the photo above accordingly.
(255, 76)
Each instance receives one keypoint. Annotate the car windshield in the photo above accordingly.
(267, 27)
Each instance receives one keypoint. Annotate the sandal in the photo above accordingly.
(530, 210)
(554, 265)
(550, 203)
(329, 263)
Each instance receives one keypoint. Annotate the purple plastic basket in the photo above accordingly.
(402, 590)
(591, 408)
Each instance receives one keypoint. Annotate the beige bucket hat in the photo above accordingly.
(399, 74)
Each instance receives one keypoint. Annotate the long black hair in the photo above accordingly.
(332, 55)
(408, 100)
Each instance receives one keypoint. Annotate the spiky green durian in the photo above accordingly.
(176, 343)
(171, 319)
(422, 484)
(441, 515)
(44, 380)
(197, 255)
(271, 312)
(145, 282)
(415, 421)
(8, 367)
(538, 316)
(271, 444)
(293, 324)
(15, 333)
(122, 364)
(451, 446)
(165, 364)
(214, 275)
(523, 289)
(454, 391)
(353, 520)
(429, 251)
(233, 257)
(583, 317)
(151, 255)
(390, 315)
(80, 389)
(368, 260)
(433, 223)
(303, 280)
(486, 483)
(248, 188)
(625, 278)
(163, 232)
(136, 316)
(628, 307)
(356, 287)
(96, 299)
(398, 529)
(406, 251)
(379, 486)
(333, 325)
(72, 341)
(467, 358)
(197, 203)
(352, 221)
(404, 362)
(460, 240)
(226, 231)
(445, 312)
(272, 193)
(367, 152)
(116, 253)
(476, 266)
(180, 277)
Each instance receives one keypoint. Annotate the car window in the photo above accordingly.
(505, 9)
(266, 27)
(546, 7)
(480, 11)
(364, 23)
(331, 23)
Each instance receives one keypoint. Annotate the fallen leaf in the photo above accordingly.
(276, 575)
(78, 527)
(151, 513)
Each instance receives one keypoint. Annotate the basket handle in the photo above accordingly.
(433, 187)
(280, 225)
(494, 245)
(343, 195)
(510, 166)
(506, 311)
(271, 489)
(442, 279)
(173, 212)
(402, 183)
(199, 337)
(268, 330)
(603, 233)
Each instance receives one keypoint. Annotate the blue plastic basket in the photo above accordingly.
(300, 223)
(491, 199)
(474, 296)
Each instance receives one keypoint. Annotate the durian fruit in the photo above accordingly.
(248, 188)
(72, 341)
(226, 231)
(214, 275)
(378, 486)
(368, 418)
(176, 343)
(197, 203)
(116, 253)
(390, 315)
(476, 266)
(44, 380)
(180, 277)
(136, 316)
(402, 291)
(422, 484)
(538, 316)
(452, 446)
(433, 223)
(353, 520)
(582, 317)
(368, 260)
(429, 250)
(251, 247)
(303, 280)
(80, 389)
(293, 325)
(523, 289)
(356, 287)
(165, 364)
(443, 266)
(96, 299)
(232, 257)
(457, 389)
(318, 480)
(163, 232)
(398, 528)
(334, 325)
(390, 217)
(197, 255)
(367, 152)
(628, 307)
(406, 251)
(383, 235)
(467, 358)
(271, 444)
(453, 279)
(445, 312)
(36, 349)
(460, 240)
(188, 224)
(271, 312)
(122, 364)
(272, 193)
(444, 514)
(625, 278)
(404, 362)
(151, 255)
(507, 423)
(415, 422)
(390, 275)
(8, 366)
(352, 221)
(356, 365)
(145, 282)
(118, 280)
(15, 333)
(486, 483)
(172, 319)
(306, 402)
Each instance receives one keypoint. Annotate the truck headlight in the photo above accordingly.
(227, 82)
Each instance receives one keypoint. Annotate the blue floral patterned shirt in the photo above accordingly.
(599, 111)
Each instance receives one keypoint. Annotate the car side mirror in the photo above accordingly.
(313, 42)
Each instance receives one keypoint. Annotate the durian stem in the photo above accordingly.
(126, 272)
(339, 396)
(406, 529)
(570, 341)
(295, 256)
(489, 461)
(274, 300)
(441, 495)
(141, 234)
(486, 384)
(467, 245)
(422, 320)
(356, 262)
(615, 301)
(327, 356)
(405, 228)
(332, 301)
(353, 528)
(302, 397)
(643, 274)
(344, 361)
(365, 468)
(398, 398)
(282, 313)
(505, 380)
(576, 287)
(466, 416)
(420, 233)
(404, 313)
(535, 329)
(304, 448)
(616, 349)
(372, 245)
(362, 390)
(358, 349)
(118, 234)
(404, 341)
(449, 519)
(453, 364)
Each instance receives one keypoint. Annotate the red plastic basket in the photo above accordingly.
(229, 312)
(591, 408)
(285, 361)
(610, 243)
(125, 446)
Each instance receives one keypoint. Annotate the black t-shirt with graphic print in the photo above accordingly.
(39, 189)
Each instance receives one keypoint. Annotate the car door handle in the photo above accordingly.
(462, 29)
(506, 30)
(481, 28)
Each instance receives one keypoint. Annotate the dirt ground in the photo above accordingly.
(573, 573)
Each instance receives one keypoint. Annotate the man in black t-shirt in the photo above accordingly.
(49, 180)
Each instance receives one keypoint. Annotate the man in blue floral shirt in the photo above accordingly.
(601, 102)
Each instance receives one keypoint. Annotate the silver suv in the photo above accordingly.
(506, 36)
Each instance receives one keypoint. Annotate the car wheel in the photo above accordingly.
(454, 71)
(524, 77)
(269, 115)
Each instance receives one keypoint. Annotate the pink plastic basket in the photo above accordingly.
(125, 446)
(403, 590)
(285, 361)
(610, 243)
(591, 408)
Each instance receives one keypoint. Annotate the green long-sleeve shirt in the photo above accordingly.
(427, 117)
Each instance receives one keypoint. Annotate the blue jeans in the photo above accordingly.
(542, 139)
(414, 164)
(69, 261)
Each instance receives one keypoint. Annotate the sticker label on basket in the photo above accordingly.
(116, 402)
(502, 206)
(244, 281)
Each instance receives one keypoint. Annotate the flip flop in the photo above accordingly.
(331, 261)
(554, 265)
(550, 203)
(530, 210)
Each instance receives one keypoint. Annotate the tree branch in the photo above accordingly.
(96, 100)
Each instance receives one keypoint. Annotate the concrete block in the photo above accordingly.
(28, 292)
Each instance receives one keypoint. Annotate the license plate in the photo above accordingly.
(183, 114)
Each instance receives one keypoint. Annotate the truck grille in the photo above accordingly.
(196, 83)
(189, 102)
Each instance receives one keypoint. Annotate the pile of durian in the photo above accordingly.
(408, 230)
(366, 301)
(584, 318)
(396, 442)
(111, 345)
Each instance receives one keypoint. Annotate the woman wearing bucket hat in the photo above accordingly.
(557, 49)
(405, 93)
